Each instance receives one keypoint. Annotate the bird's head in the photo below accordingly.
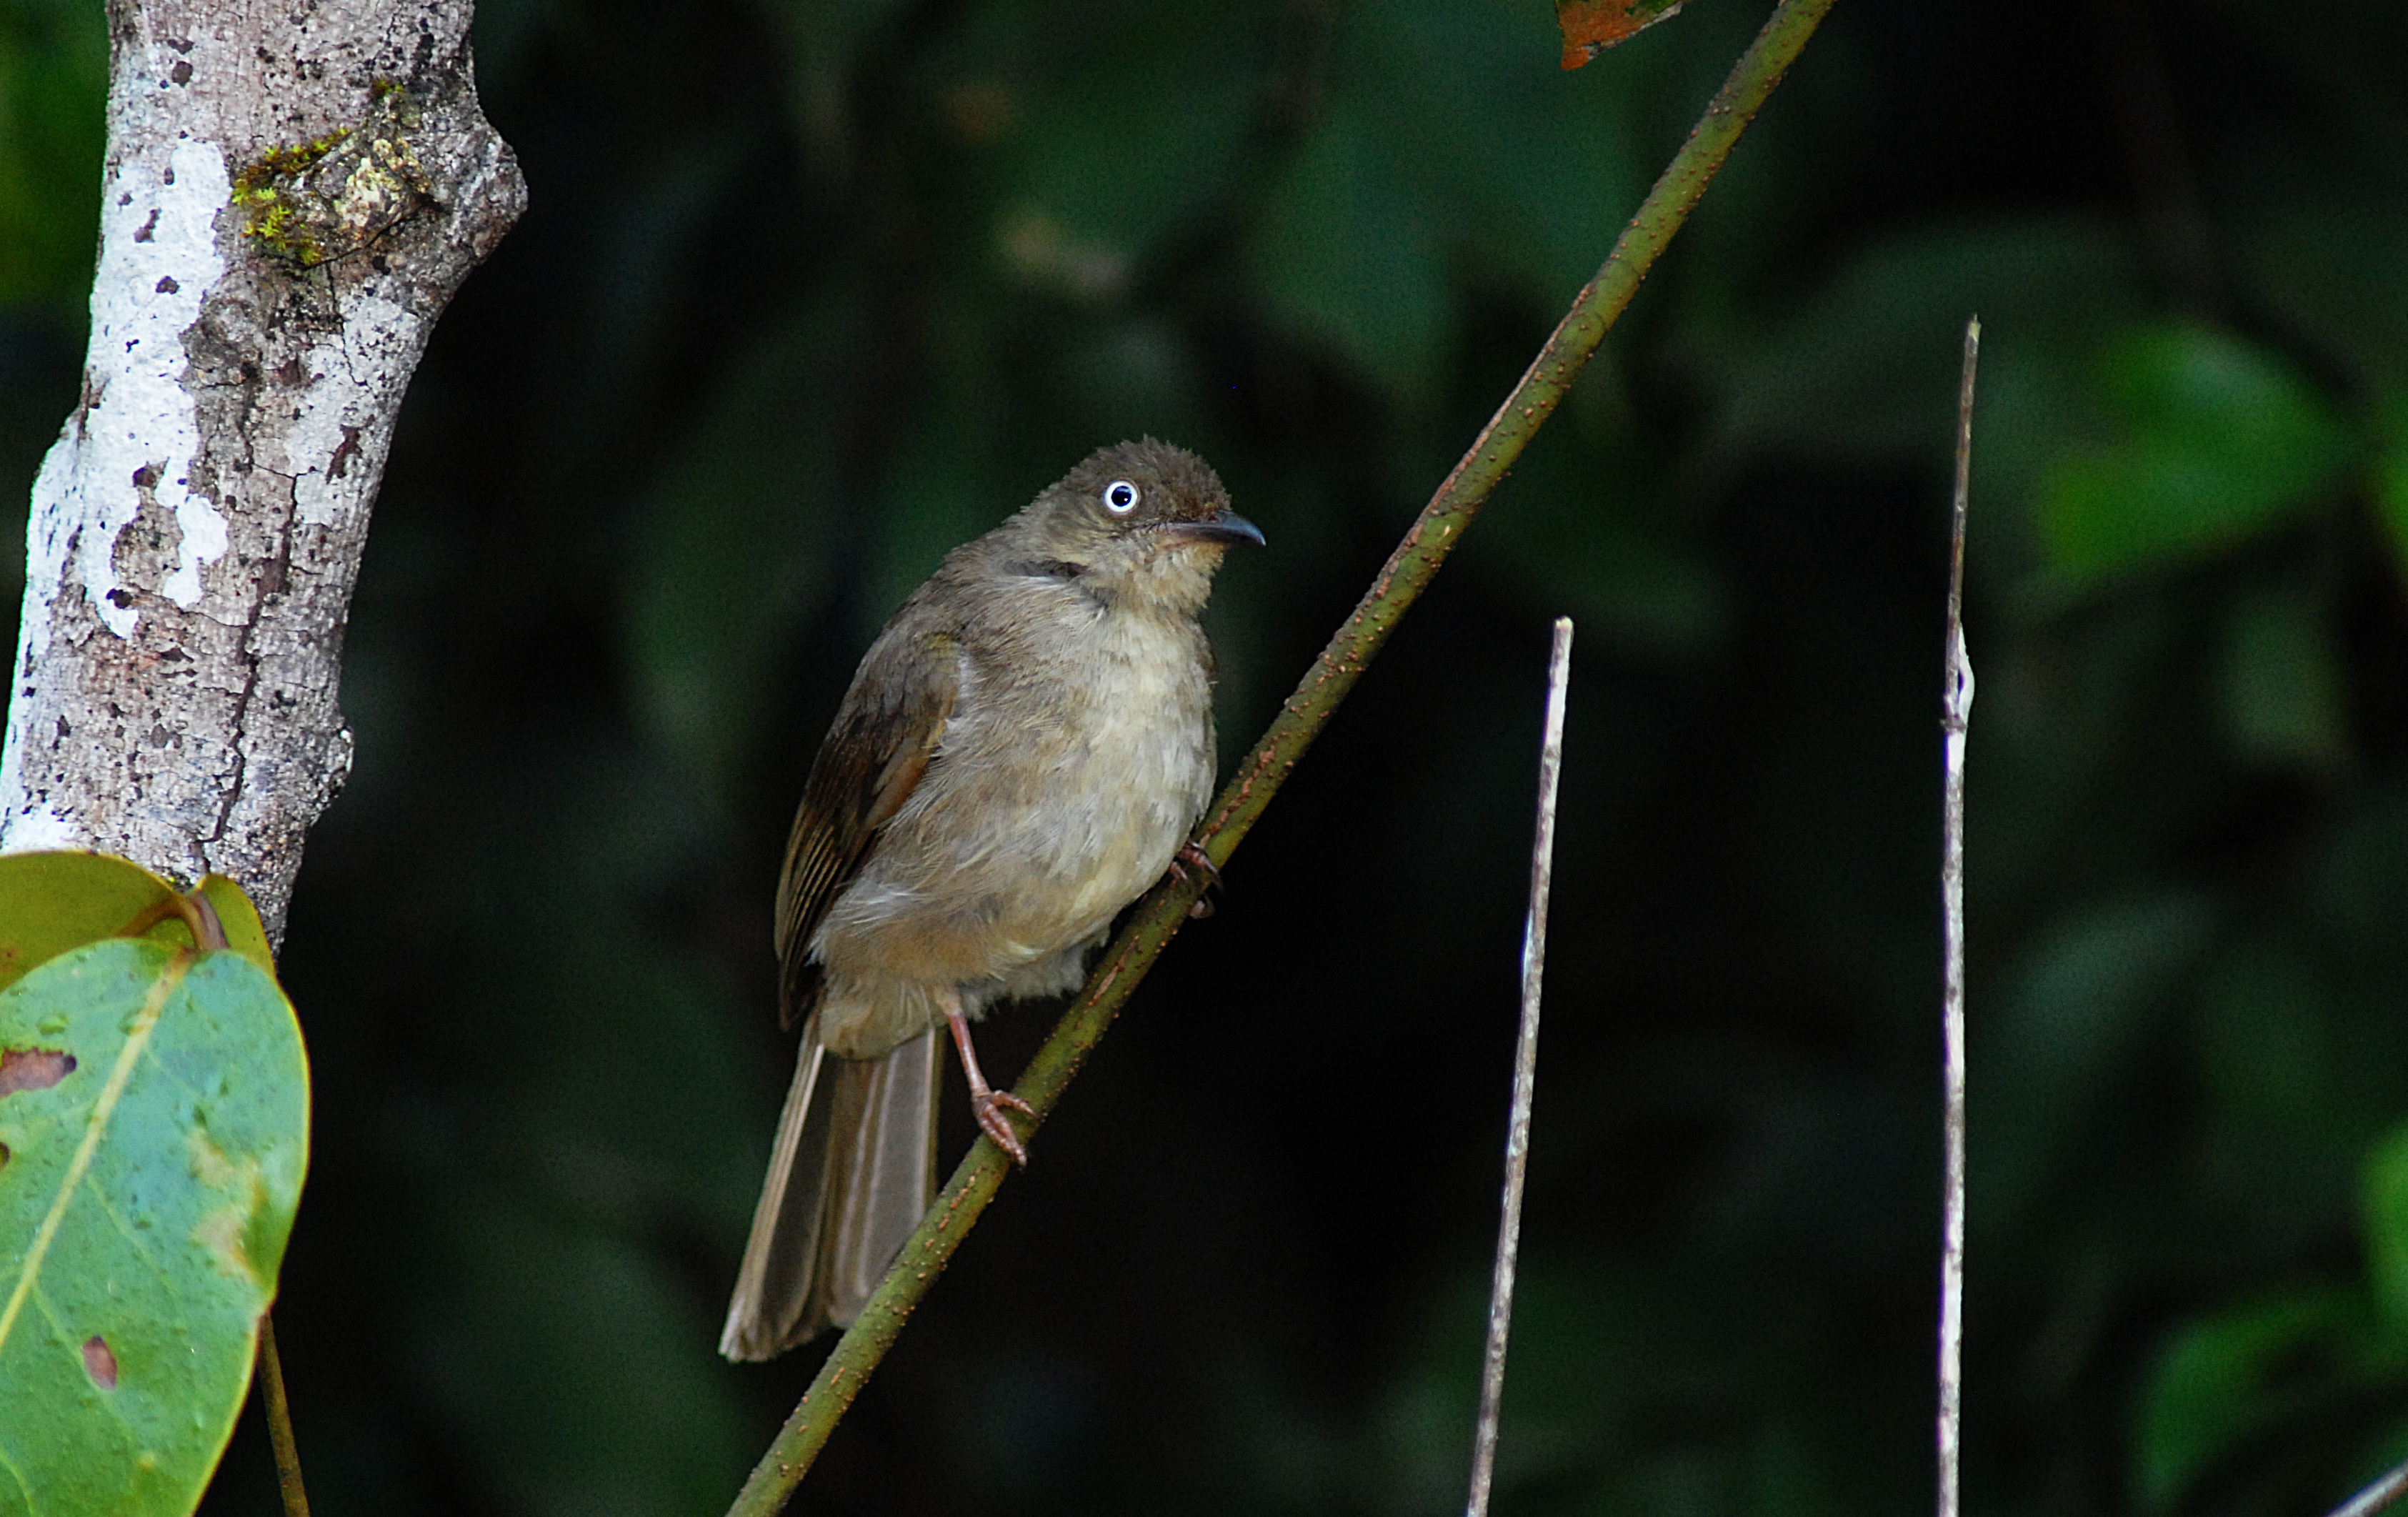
(1141, 517)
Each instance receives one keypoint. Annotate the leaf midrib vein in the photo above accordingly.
(171, 974)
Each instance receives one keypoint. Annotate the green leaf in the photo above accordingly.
(607, 1348)
(53, 902)
(2239, 1375)
(2385, 1200)
(2075, 1009)
(53, 77)
(2284, 701)
(940, 494)
(1582, 537)
(154, 1119)
(2323, 247)
(1861, 371)
(2217, 440)
(1479, 130)
(2283, 1121)
(1127, 152)
(732, 545)
(1348, 256)
(2391, 476)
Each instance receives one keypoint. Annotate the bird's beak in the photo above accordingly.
(1224, 525)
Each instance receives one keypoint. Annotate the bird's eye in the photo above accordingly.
(1121, 498)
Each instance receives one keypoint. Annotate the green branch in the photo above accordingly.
(1425, 547)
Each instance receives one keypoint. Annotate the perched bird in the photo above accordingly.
(1023, 751)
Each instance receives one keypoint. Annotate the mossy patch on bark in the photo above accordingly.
(308, 203)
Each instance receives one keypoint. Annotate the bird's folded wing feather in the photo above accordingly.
(879, 747)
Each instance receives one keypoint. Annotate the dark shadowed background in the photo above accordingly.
(810, 291)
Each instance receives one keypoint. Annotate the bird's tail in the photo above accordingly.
(853, 1169)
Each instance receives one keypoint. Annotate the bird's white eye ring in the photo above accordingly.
(1121, 498)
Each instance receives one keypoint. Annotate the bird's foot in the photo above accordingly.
(1191, 856)
(987, 1103)
(988, 1106)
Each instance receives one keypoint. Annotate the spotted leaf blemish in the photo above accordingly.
(33, 1069)
(225, 1234)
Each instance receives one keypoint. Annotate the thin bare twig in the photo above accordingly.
(1526, 1074)
(1956, 705)
(2391, 1488)
(280, 1422)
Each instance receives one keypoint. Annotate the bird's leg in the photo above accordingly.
(986, 1103)
(1190, 856)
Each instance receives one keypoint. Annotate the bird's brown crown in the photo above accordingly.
(1164, 483)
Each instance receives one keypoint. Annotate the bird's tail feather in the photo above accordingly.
(853, 1169)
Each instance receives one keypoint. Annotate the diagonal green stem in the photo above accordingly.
(1425, 547)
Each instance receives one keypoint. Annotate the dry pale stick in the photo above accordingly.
(1526, 1076)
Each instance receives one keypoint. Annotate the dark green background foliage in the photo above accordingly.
(809, 293)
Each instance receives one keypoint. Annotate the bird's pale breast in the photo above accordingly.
(1053, 800)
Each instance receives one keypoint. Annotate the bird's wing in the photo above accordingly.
(888, 729)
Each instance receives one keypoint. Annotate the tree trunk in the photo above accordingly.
(292, 195)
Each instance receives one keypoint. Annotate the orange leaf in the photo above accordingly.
(1591, 26)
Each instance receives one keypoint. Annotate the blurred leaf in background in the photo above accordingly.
(2234, 1389)
(54, 66)
(2216, 440)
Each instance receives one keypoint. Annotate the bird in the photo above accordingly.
(1025, 747)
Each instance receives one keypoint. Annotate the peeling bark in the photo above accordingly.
(292, 194)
